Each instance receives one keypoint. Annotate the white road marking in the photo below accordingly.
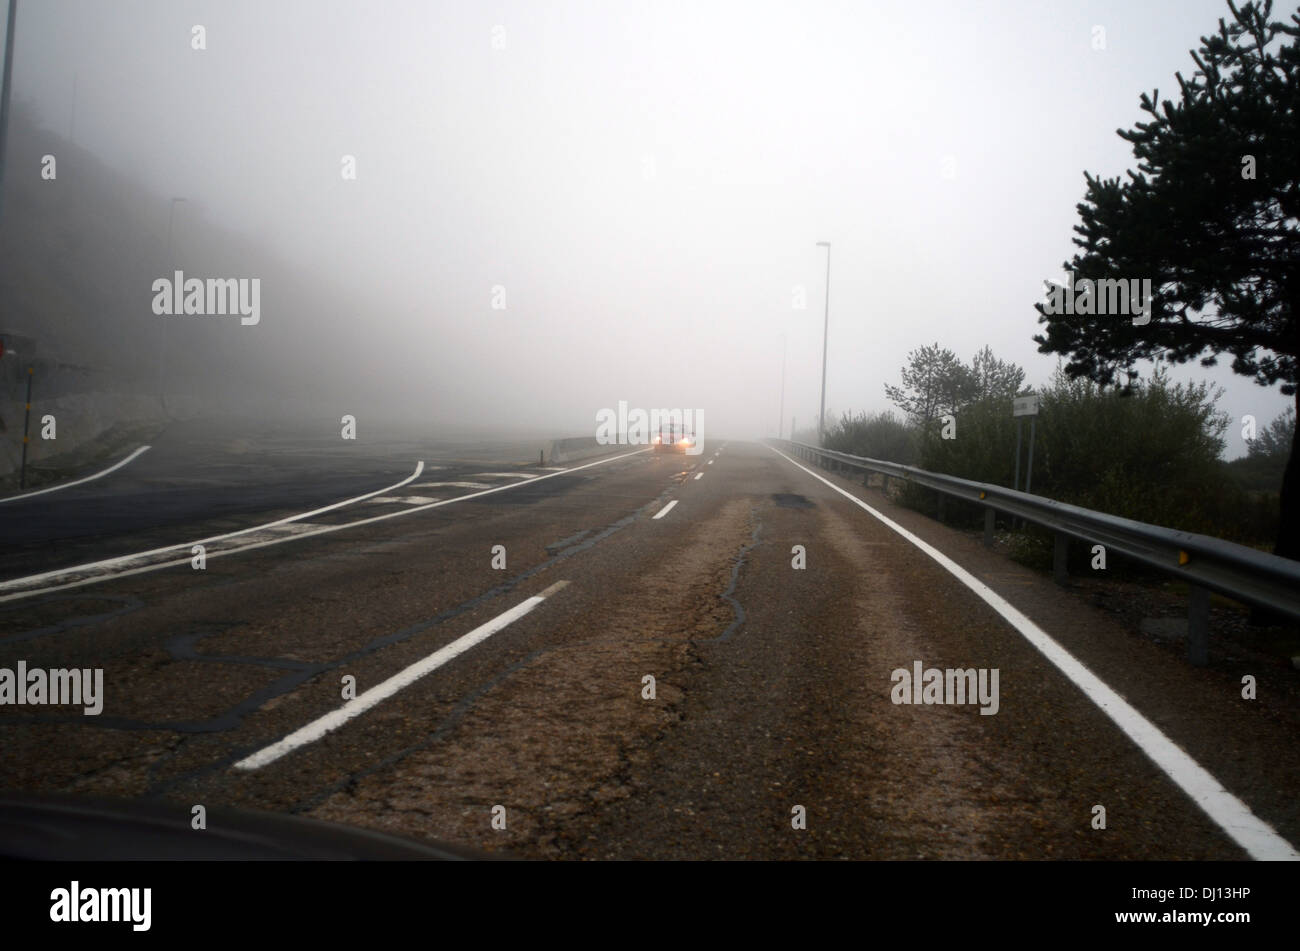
(666, 509)
(294, 528)
(280, 532)
(108, 564)
(699, 475)
(103, 570)
(405, 499)
(91, 478)
(1233, 816)
(710, 462)
(332, 721)
(453, 485)
(507, 475)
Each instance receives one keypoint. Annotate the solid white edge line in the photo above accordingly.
(83, 481)
(1254, 835)
(317, 728)
(666, 509)
(323, 530)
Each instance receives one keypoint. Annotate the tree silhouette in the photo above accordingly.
(1212, 218)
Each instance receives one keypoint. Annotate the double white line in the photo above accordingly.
(144, 561)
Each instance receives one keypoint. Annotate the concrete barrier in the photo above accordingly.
(576, 448)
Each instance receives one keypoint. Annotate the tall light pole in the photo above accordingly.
(780, 419)
(162, 331)
(11, 18)
(826, 323)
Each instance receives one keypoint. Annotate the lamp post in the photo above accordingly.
(780, 419)
(8, 74)
(821, 418)
(162, 330)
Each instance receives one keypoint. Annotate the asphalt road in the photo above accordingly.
(517, 715)
(206, 477)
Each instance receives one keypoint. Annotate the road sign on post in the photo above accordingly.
(27, 418)
(1025, 406)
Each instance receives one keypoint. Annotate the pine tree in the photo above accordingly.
(1212, 218)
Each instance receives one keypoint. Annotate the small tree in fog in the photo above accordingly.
(1275, 441)
(994, 379)
(935, 382)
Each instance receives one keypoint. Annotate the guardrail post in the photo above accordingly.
(1198, 625)
(989, 516)
(1061, 558)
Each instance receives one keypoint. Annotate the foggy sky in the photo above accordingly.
(647, 181)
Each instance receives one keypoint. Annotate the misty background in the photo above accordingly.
(645, 181)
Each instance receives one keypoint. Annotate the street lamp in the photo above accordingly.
(162, 330)
(7, 81)
(780, 419)
(821, 418)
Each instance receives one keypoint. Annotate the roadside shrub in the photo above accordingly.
(875, 436)
(1151, 455)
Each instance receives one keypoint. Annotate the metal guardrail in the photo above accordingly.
(1205, 563)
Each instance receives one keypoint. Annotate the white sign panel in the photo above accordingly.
(1025, 406)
